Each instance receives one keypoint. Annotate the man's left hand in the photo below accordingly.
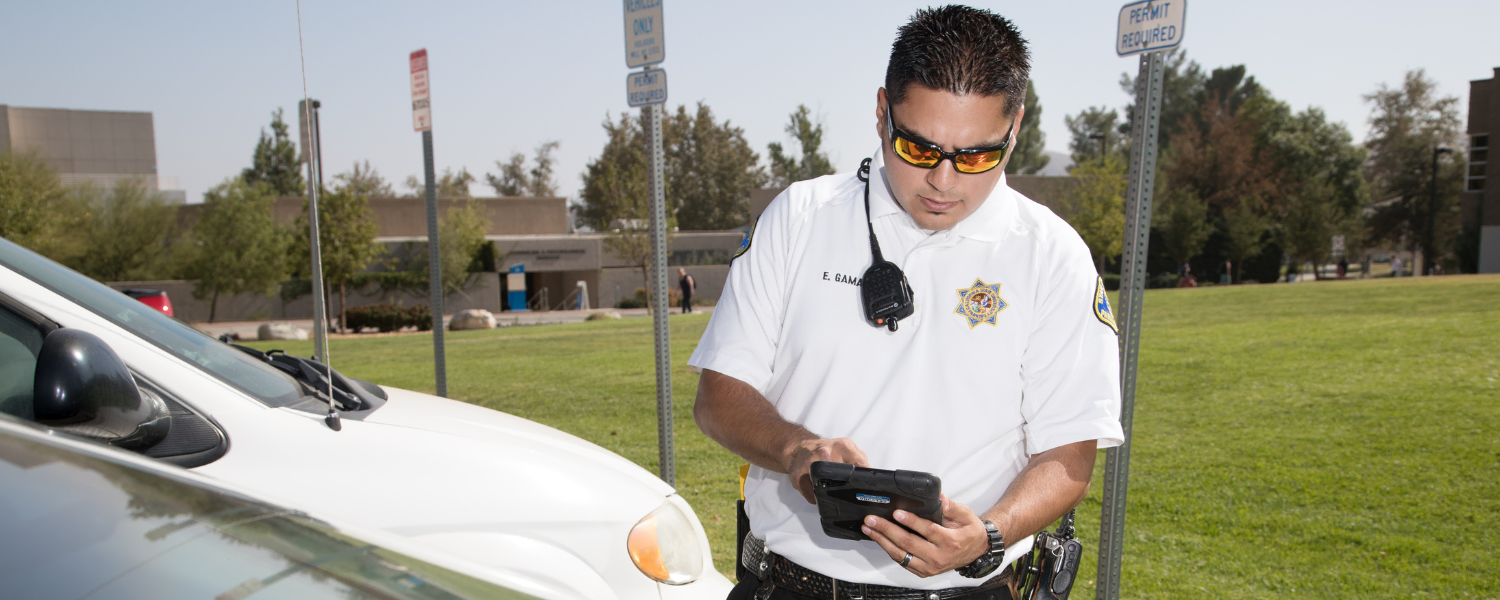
(935, 548)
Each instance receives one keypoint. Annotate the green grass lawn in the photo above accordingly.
(1324, 440)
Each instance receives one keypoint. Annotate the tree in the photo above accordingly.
(1230, 87)
(516, 180)
(239, 246)
(1029, 155)
(1215, 159)
(633, 245)
(785, 168)
(1182, 83)
(449, 184)
(275, 162)
(1309, 224)
(1406, 125)
(615, 199)
(1181, 218)
(1321, 188)
(711, 170)
(460, 238)
(30, 201)
(126, 234)
(364, 180)
(1245, 230)
(1095, 131)
(614, 184)
(346, 231)
(1098, 206)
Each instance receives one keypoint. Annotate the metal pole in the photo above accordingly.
(434, 268)
(1133, 285)
(317, 127)
(659, 309)
(1429, 253)
(320, 312)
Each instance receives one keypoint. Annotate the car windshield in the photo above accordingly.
(259, 380)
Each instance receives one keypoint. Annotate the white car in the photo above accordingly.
(84, 520)
(475, 484)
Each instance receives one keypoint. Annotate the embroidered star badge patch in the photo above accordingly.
(980, 303)
(1101, 307)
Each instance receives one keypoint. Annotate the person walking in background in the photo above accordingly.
(1226, 277)
(1396, 267)
(688, 286)
(1343, 267)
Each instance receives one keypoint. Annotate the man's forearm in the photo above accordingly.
(738, 417)
(1051, 484)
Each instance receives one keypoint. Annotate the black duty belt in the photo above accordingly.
(778, 572)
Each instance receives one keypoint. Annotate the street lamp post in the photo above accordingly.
(1103, 142)
(1428, 259)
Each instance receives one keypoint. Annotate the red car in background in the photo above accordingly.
(156, 299)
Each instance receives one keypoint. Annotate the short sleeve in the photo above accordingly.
(742, 334)
(1071, 366)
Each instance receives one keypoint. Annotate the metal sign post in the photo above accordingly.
(311, 154)
(421, 113)
(1134, 18)
(645, 45)
(659, 306)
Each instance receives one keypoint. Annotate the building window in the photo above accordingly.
(1478, 153)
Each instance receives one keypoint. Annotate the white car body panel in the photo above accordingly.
(478, 485)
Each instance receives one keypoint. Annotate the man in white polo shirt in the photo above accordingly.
(1003, 381)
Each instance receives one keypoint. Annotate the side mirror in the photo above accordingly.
(83, 388)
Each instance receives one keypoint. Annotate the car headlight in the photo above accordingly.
(664, 546)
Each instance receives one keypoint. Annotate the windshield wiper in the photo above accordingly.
(348, 394)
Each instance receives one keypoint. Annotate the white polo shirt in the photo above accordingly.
(1007, 354)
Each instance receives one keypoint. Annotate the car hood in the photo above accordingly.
(415, 410)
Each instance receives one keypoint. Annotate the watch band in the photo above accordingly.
(990, 560)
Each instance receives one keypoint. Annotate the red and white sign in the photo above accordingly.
(421, 104)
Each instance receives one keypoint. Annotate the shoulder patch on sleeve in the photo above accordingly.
(1101, 306)
(745, 243)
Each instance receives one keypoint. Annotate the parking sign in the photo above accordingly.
(645, 43)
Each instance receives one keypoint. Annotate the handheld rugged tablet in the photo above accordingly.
(847, 493)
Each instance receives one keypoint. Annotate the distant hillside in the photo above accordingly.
(1059, 164)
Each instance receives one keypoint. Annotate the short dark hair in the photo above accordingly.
(961, 50)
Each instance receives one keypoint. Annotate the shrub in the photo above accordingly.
(387, 317)
(419, 316)
(674, 299)
(1112, 281)
(636, 301)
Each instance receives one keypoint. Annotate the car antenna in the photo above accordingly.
(314, 183)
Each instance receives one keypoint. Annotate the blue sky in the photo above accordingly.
(507, 76)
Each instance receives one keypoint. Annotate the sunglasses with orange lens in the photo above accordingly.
(927, 155)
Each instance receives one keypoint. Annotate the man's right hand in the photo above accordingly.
(804, 453)
(737, 416)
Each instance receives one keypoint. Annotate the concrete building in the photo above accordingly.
(1481, 198)
(534, 233)
(88, 146)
